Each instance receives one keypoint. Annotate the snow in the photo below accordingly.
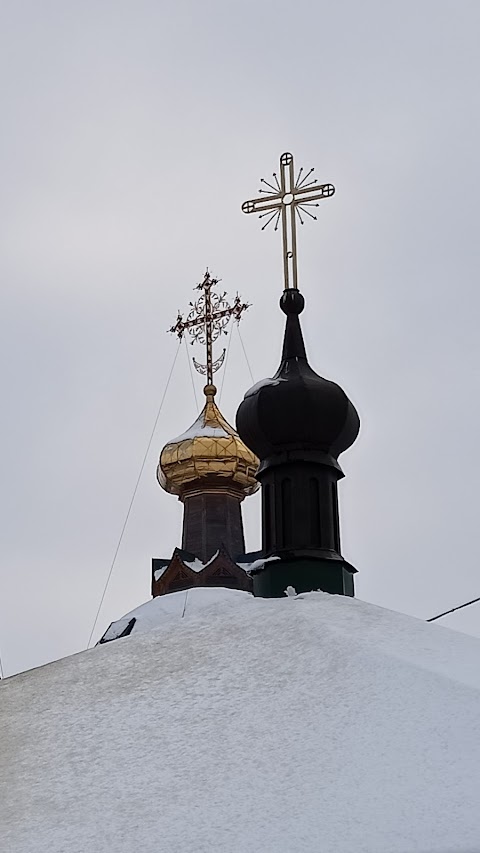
(176, 605)
(262, 384)
(199, 428)
(256, 564)
(197, 566)
(159, 572)
(295, 725)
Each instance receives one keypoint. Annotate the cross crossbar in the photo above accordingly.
(290, 198)
(207, 319)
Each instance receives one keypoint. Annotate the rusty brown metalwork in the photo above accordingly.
(207, 320)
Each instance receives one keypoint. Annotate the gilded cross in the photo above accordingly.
(286, 200)
(207, 319)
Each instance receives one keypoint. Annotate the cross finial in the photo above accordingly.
(207, 319)
(287, 199)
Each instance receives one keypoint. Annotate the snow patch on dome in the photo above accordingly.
(199, 428)
(262, 384)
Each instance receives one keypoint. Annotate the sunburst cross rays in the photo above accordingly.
(286, 199)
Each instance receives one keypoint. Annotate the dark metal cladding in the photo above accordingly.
(210, 519)
(297, 408)
(298, 423)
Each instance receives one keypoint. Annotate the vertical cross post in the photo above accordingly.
(287, 200)
(206, 320)
(207, 284)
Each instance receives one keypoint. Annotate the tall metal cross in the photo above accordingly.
(290, 197)
(206, 320)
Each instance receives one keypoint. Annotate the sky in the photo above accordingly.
(132, 132)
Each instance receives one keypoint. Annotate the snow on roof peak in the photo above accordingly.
(312, 722)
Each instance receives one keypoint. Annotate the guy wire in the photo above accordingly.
(225, 365)
(133, 498)
(245, 354)
(191, 374)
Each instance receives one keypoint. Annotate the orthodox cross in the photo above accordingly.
(206, 320)
(288, 199)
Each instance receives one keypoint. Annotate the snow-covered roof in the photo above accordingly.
(162, 608)
(309, 723)
(197, 565)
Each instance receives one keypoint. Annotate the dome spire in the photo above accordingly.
(297, 423)
(292, 304)
(210, 391)
(209, 467)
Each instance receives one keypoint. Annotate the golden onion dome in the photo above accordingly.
(211, 450)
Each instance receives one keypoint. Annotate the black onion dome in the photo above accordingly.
(296, 409)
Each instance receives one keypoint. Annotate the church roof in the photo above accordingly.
(233, 723)
(247, 562)
(153, 612)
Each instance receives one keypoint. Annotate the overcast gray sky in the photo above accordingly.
(131, 133)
